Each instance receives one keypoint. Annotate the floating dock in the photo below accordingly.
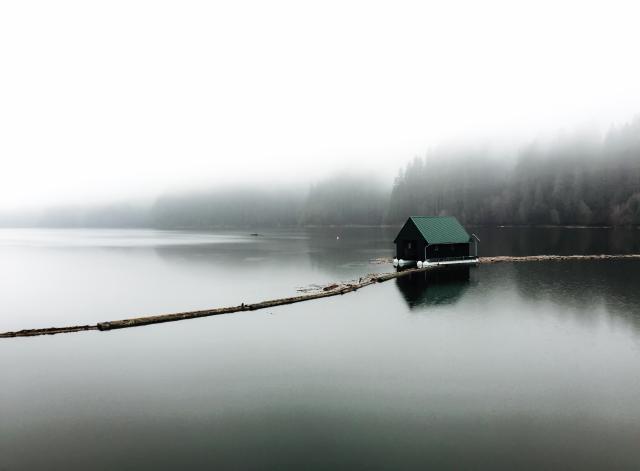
(471, 260)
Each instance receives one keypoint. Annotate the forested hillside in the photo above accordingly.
(573, 180)
(242, 206)
(346, 200)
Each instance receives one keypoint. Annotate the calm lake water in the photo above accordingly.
(506, 366)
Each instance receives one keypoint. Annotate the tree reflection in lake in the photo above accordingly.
(437, 287)
(522, 240)
(433, 371)
(582, 286)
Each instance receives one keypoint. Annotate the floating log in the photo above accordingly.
(537, 258)
(331, 290)
(48, 331)
(334, 290)
(556, 258)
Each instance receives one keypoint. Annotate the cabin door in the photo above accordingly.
(409, 250)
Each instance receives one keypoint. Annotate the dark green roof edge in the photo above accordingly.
(440, 229)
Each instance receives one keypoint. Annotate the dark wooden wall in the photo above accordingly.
(447, 250)
(416, 252)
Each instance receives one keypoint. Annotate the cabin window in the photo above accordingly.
(435, 249)
(409, 245)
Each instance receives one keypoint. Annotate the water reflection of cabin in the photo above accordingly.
(435, 239)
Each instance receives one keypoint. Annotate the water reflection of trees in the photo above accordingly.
(237, 249)
(583, 285)
(336, 251)
(556, 240)
(341, 250)
(438, 287)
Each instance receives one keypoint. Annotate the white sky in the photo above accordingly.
(106, 100)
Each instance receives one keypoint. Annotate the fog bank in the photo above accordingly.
(578, 178)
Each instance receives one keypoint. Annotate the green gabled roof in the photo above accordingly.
(440, 229)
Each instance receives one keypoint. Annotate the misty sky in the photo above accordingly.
(109, 100)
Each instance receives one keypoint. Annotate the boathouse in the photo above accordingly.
(435, 239)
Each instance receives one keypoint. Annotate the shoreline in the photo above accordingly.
(324, 226)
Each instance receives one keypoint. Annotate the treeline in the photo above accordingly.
(578, 179)
(237, 207)
(574, 180)
(343, 200)
(120, 215)
(339, 200)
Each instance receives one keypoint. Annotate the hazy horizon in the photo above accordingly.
(130, 100)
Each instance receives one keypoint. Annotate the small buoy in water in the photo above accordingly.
(395, 262)
(419, 264)
(337, 237)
